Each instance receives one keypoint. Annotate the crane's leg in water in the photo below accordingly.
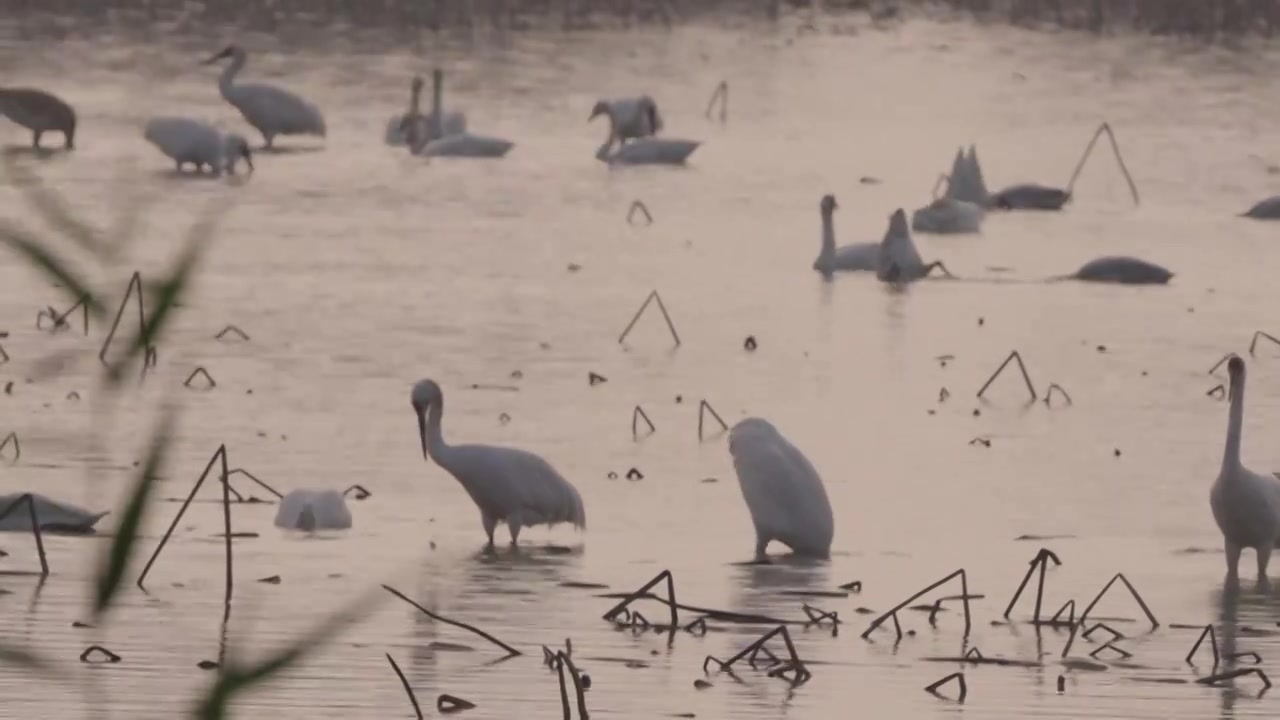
(513, 524)
(1233, 561)
(762, 542)
(268, 138)
(1264, 557)
(35, 139)
(489, 523)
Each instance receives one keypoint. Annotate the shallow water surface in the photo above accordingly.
(357, 270)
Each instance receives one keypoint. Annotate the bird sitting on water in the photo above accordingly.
(399, 127)
(858, 256)
(270, 110)
(1245, 505)
(506, 484)
(311, 510)
(38, 111)
(52, 515)
(785, 495)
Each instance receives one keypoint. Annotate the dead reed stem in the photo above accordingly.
(704, 407)
(893, 614)
(653, 296)
(636, 416)
(1021, 366)
(1039, 562)
(220, 455)
(721, 95)
(35, 525)
(511, 652)
(408, 689)
(640, 207)
(1115, 148)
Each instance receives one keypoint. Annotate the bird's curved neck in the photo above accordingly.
(437, 104)
(229, 74)
(828, 235)
(415, 101)
(433, 434)
(1235, 422)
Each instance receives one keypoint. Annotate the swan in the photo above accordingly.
(38, 111)
(312, 510)
(859, 256)
(783, 492)
(427, 140)
(1123, 270)
(898, 260)
(506, 484)
(632, 118)
(1268, 209)
(52, 515)
(648, 151)
(1245, 505)
(451, 123)
(1030, 196)
(190, 141)
(961, 208)
(270, 110)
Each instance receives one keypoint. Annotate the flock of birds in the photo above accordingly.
(783, 492)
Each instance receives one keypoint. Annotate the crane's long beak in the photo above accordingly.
(422, 428)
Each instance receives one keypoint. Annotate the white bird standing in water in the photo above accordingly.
(632, 118)
(858, 256)
(269, 109)
(190, 141)
(898, 259)
(427, 137)
(52, 515)
(506, 484)
(452, 123)
(311, 510)
(783, 492)
(1245, 505)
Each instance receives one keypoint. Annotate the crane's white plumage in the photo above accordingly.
(190, 141)
(271, 110)
(898, 259)
(427, 137)
(1245, 505)
(51, 514)
(312, 510)
(398, 131)
(506, 484)
(858, 256)
(783, 492)
(631, 118)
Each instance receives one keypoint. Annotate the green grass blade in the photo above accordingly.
(28, 660)
(235, 678)
(37, 254)
(112, 570)
(56, 212)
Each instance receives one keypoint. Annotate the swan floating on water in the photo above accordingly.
(270, 110)
(858, 256)
(52, 515)
(631, 118)
(961, 208)
(190, 141)
(898, 259)
(785, 495)
(648, 151)
(312, 510)
(39, 112)
(1123, 270)
(1268, 209)
(428, 139)
(506, 484)
(451, 123)
(1245, 505)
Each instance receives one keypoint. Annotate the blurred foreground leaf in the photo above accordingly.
(43, 258)
(54, 210)
(111, 571)
(28, 660)
(235, 678)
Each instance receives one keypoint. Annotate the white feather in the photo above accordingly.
(784, 493)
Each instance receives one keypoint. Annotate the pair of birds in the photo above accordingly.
(783, 492)
(893, 259)
(440, 133)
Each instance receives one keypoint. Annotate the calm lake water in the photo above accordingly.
(358, 269)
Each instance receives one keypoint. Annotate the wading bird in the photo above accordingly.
(311, 510)
(39, 112)
(631, 118)
(190, 141)
(1245, 505)
(270, 110)
(506, 484)
(783, 492)
(858, 256)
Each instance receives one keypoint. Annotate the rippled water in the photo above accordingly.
(358, 270)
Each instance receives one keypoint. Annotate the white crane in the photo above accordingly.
(39, 112)
(785, 495)
(1245, 505)
(270, 110)
(311, 510)
(858, 256)
(190, 141)
(506, 484)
